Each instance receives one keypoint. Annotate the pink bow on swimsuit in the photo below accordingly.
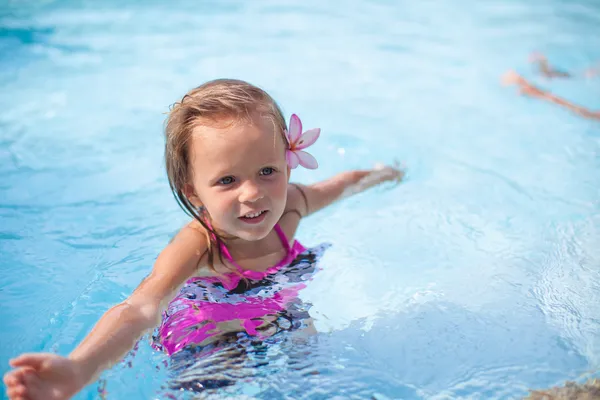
(299, 141)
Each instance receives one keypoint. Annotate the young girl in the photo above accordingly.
(228, 156)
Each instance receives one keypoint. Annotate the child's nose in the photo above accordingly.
(250, 192)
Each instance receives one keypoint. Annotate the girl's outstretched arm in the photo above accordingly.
(310, 199)
(52, 377)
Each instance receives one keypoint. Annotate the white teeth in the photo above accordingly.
(253, 215)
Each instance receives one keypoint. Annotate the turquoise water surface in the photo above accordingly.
(478, 278)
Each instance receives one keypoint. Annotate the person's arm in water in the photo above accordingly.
(312, 198)
(550, 71)
(528, 89)
(47, 376)
(545, 68)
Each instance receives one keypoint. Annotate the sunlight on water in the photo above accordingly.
(476, 278)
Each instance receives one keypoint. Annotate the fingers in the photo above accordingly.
(15, 385)
(10, 379)
(33, 360)
(401, 167)
(16, 377)
(23, 384)
(16, 392)
(395, 172)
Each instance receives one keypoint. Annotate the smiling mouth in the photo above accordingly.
(254, 216)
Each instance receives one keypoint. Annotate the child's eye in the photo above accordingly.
(267, 171)
(228, 180)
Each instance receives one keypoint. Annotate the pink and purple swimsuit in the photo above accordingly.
(192, 315)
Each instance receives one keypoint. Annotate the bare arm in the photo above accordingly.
(549, 71)
(118, 330)
(49, 376)
(528, 89)
(545, 68)
(319, 195)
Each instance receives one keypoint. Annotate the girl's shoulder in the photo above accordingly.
(193, 238)
(190, 243)
(177, 262)
(297, 201)
(295, 209)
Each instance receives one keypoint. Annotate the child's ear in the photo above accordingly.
(289, 172)
(188, 191)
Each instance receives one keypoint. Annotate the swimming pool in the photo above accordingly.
(477, 278)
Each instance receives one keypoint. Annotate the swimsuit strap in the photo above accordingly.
(227, 254)
(224, 250)
(283, 238)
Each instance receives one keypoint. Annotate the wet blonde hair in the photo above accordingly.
(213, 102)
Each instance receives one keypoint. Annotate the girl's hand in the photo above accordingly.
(386, 173)
(379, 174)
(43, 376)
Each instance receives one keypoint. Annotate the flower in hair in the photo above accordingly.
(297, 142)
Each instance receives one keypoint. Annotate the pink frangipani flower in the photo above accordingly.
(297, 142)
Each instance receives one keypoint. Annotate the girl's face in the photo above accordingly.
(240, 176)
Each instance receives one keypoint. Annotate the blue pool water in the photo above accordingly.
(479, 277)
